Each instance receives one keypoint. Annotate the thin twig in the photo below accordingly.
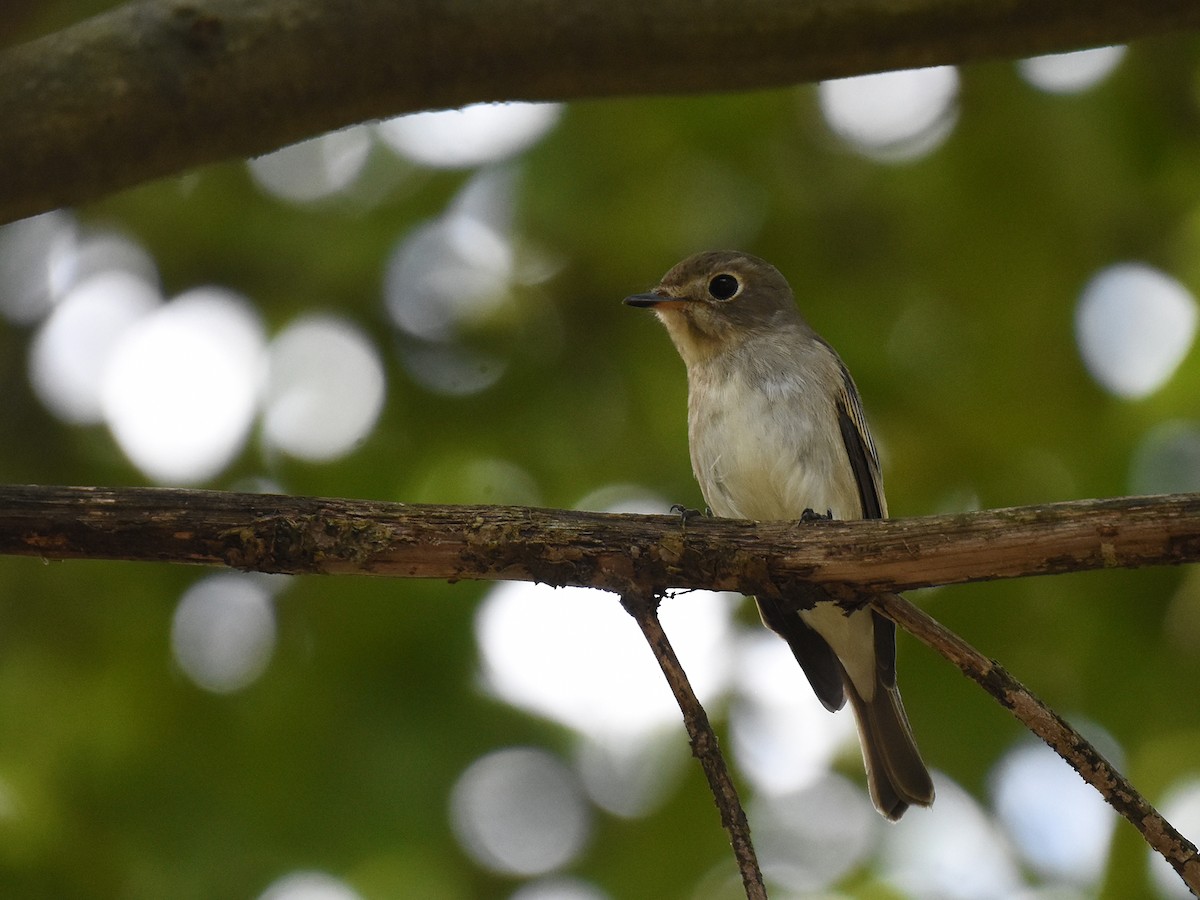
(1064, 740)
(643, 606)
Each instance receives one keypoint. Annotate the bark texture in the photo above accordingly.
(622, 553)
(157, 87)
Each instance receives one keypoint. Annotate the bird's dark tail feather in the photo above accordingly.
(896, 774)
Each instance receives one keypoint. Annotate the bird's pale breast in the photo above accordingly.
(768, 448)
(765, 448)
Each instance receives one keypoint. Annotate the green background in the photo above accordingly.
(948, 284)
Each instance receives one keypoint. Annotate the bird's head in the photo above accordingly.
(713, 302)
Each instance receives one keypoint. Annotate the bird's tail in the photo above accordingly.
(896, 774)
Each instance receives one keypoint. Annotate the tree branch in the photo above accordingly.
(157, 87)
(276, 533)
(1048, 725)
(639, 557)
(644, 609)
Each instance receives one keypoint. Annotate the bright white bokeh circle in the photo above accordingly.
(470, 136)
(1059, 824)
(325, 388)
(559, 888)
(73, 347)
(808, 840)
(37, 257)
(1134, 326)
(223, 631)
(574, 656)
(520, 811)
(892, 116)
(181, 390)
(953, 850)
(308, 885)
(313, 169)
(784, 739)
(1071, 73)
(445, 274)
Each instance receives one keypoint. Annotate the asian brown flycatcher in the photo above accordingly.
(776, 427)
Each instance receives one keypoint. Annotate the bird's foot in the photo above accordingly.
(809, 515)
(686, 513)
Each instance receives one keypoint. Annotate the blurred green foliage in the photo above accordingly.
(949, 286)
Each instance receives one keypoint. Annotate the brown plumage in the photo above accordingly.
(775, 427)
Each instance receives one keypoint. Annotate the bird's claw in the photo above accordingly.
(810, 515)
(686, 512)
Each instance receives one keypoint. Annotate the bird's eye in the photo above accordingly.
(723, 287)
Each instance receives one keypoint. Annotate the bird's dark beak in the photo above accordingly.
(652, 301)
(643, 301)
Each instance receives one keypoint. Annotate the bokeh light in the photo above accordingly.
(449, 277)
(325, 388)
(892, 116)
(35, 257)
(631, 779)
(519, 811)
(455, 271)
(810, 839)
(448, 273)
(223, 631)
(990, 222)
(309, 886)
(1071, 73)
(182, 387)
(558, 888)
(452, 370)
(74, 346)
(785, 740)
(471, 136)
(1134, 326)
(952, 851)
(1167, 460)
(98, 252)
(316, 168)
(1059, 824)
(575, 656)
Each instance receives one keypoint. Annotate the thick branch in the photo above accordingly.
(639, 556)
(160, 86)
(274, 533)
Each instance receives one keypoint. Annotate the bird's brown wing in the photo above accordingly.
(860, 449)
(864, 461)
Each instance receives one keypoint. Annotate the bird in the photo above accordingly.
(776, 431)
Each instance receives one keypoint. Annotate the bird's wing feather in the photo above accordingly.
(860, 449)
(864, 461)
(814, 654)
